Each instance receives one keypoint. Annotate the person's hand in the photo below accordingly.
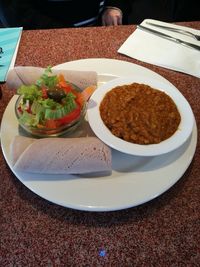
(111, 16)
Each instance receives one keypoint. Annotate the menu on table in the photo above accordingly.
(9, 42)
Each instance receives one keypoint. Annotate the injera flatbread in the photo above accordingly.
(28, 75)
(60, 155)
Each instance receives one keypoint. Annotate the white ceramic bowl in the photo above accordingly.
(170, 144)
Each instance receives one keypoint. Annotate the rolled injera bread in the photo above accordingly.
(60, 155)
(28, 75)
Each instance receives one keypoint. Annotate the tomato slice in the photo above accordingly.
(70, 116)
(20, 109)
(79, 98)
(52, 124)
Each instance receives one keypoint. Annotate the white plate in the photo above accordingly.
(172, 143)
(134, 180)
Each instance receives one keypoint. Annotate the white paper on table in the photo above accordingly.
(149, 48)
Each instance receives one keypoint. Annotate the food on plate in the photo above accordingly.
(60, 155)
(139, 114)
(51, 104)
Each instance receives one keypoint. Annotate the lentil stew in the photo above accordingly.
(139, 114)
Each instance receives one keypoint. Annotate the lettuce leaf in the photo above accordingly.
(29, 92)
(47, 79)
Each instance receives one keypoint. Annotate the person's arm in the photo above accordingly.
(115, 11)
(111, 16)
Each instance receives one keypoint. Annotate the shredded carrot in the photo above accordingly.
(40, 126)
(61, 78)
(88, 91)
(67, 87)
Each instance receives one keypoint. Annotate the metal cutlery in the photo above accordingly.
(188, 33)
(168, 37)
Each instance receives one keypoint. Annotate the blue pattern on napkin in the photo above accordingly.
(9, 38)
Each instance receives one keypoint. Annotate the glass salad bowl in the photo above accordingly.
(50, 129)
(50, 107)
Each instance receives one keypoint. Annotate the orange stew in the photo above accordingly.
(140, 114)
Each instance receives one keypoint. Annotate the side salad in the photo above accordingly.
(49, 103)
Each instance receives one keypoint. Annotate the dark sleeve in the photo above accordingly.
(186, 10)
(124, 5)
(29, 15)
(44, 14)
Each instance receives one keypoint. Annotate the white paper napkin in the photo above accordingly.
(153, 49)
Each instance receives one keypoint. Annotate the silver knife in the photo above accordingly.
(188, 33)
(168, 37)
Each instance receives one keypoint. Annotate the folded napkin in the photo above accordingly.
(28, 75)
(60, 155)
(153, 49)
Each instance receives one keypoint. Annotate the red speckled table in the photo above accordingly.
(35, 232)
